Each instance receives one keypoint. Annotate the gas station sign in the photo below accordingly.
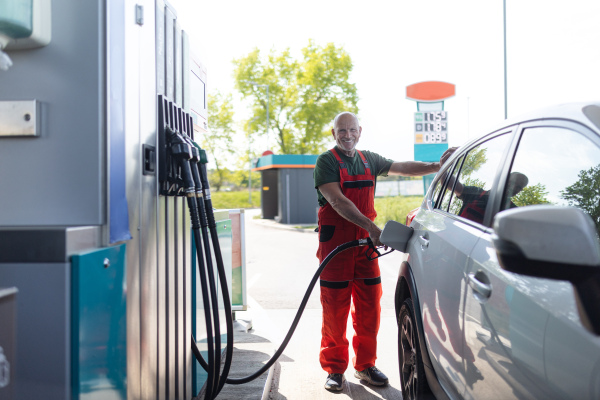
(431, 121)
(431, 127)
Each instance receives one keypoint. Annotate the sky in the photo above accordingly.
(553, 55)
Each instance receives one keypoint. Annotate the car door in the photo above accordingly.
(441, 244)
(526, 332)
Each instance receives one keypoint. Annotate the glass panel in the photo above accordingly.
(476, 178)
(555, 166)
(445, 199)
(438, 188)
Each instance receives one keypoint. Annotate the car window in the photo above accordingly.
(445, 199)
(440, 183)
(472, 190)
(555, 166)
(436, 191)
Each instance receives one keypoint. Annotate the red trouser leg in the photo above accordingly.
(334, 344)
(366, 312)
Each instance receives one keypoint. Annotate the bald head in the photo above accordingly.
(344, 114)
(346, 132)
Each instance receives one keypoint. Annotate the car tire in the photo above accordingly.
(412, 373)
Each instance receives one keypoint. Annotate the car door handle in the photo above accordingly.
(481, 288)
(424, 241)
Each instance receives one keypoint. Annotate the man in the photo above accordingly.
(345, 183)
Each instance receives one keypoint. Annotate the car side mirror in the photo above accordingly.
(396, 235)
(554, 243)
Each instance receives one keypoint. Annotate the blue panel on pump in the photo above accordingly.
(99, 324)
(119, 214)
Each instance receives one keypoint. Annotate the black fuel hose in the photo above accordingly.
(182, 154)
(212, 225)
(212, 366)
(284, 343)
(207, 220)
(205, 223)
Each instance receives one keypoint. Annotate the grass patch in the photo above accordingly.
(395, 208)
(387, 208)
(240, 199)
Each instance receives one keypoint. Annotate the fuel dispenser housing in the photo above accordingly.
(82, 216)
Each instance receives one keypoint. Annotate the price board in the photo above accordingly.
(431, 127)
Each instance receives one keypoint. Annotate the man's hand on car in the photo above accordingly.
(447, 155)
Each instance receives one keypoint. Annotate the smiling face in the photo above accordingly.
(346, 132)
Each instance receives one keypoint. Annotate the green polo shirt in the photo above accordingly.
(327, 168)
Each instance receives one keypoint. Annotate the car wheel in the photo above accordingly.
(412, 374)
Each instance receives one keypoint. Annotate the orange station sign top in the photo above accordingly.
(430, 91)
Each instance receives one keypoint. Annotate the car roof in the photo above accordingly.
(587, 114)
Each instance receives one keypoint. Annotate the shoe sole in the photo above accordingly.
(336, 389)
(369, 380)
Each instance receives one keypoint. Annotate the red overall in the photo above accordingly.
(349, 275)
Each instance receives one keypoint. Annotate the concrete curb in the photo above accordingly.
(274, 224)
(267, 390)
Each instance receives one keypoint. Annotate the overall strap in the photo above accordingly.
(343, 164)
(365, 162)
(339, 159)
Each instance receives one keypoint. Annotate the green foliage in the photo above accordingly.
(388, 208)
(585, 193)
(531, 195)
(232, 179)
(304, 95)
(219, 178)
(395, 208)
(239, 179)
(237, 199)
(218, 141)
(475, 159)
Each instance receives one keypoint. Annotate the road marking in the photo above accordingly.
(264, 323)
(252, 281)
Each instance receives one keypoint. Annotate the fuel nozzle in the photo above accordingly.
(204, 173)
(182, 152)
(195, 165)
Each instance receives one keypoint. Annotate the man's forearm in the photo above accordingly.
(347, 210)
(414, 168)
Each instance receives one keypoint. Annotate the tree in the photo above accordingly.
(218, 141)
(304, 96)
(475, 159)
(585, 193)
(531, 195)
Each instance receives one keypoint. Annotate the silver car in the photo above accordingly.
(499, 297)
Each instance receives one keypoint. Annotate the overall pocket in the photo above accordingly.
(326, 232)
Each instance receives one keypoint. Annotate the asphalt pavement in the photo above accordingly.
(280, 263)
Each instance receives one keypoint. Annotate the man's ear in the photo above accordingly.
(333, 133)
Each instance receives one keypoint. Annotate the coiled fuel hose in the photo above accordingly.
(192, 162)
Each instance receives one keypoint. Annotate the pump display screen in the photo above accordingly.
(431, 127)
